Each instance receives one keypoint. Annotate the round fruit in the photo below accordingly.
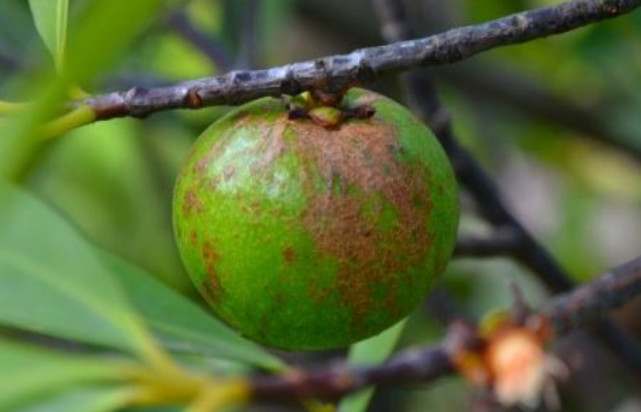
(306, 237)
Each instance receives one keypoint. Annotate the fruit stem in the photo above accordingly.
(321, 98)
(325, 109)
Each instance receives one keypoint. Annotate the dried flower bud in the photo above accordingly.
(516, 362)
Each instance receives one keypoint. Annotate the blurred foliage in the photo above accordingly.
(113, 180)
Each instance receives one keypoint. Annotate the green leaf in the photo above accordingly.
(50, 17)
(182, 325)
(30, 374)
(83, 399)
(372, 351)
(53, 282)
(106, 31)
(19, 134)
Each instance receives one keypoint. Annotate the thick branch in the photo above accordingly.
(580, 308)
(335, 73)
(422, 365)
(527, 250)
(488, 81)
(590, 302)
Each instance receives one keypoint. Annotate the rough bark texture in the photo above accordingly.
(336, 73)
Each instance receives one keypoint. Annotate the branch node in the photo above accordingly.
(193, 98)
(289, 85)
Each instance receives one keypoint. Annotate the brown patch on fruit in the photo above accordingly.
(214, 182)
(216, 147)
(252, 208)
(229, 172)
(202, 165)
(289, 254)
(191, 203)
(211, 257)
(279, 299)
(361, 171)
(318, 295)
(271, 145)
(193, 237)
(315, 293)
(264, 320)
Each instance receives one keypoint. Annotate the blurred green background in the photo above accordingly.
(557, 123)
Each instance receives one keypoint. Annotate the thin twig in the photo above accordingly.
(501, 242)
(331, 383)
(519, 92)
(9, 62)
(443, 307)
(335, 73)
(248, 53)
(564, 313)
(214, 50)
(471, 175)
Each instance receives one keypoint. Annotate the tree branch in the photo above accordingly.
(501, 242)
(583, 306)
(487, 81)
(335, 73)
(248, 53)
(470, 174)
(564, 313)
(423, 365)
(591, 302)
(518, 92)
(214, 50)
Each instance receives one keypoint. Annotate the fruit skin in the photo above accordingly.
(305, 238)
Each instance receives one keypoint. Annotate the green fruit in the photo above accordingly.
(306, 238)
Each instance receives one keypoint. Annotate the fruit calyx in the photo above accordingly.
(325, 111)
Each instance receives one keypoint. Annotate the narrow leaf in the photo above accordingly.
(50, 18)
(83, 399)
(372, 351)
(103, 33)
(106, 31)
(182, 325)
(30, 374)
(51, 281)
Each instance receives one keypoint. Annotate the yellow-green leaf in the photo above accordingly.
(182, 325)
(52, 282)
(30, 373)
(50, 18)
(83, 399)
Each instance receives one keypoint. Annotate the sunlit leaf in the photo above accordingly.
(53, 283)
(50, 17)
(83, 399)
(30, 374)
(182, 325)
(104, 32)
(372, 351)
(19, 134)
